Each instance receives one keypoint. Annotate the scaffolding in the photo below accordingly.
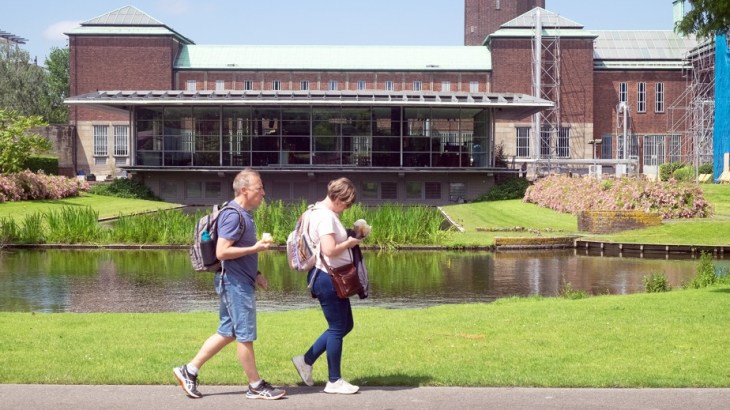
(546, 126)
(692, 114)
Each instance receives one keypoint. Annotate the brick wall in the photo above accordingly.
(603, 222)
(374, 80)
(482, 17)
(606, 84)
(118, 63)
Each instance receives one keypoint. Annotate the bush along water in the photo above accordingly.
(27, 185)
(656, 282)
(572, 195)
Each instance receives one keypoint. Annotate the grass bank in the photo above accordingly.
(106, 206)
(669, 339)
(506, 215)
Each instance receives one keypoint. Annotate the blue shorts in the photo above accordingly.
(237, 309)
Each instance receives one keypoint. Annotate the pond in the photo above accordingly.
(163, 281)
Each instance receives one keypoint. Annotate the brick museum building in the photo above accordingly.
(529, 89)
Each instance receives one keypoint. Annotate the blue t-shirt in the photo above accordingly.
(241, 269)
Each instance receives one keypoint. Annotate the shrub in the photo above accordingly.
(125, 188)
(706, 169)
(28, 186)
(568, 292)
(667, 169)
(572, 195)
(513, 188)
(36, 163)
(684, 174)
(656, 282)
(705, 273)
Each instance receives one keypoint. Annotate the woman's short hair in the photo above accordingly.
(243, 180)
(342, 189)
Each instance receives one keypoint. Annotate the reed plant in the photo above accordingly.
(72, 225)
(169, 227)
(9, 231)
(397, 224)
(32, 229)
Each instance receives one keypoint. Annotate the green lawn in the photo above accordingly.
(719, 196)
(107, 206)
(510, 214)
(672, 339)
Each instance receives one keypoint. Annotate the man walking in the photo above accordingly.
(236, 287)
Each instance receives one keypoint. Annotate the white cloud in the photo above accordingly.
(174, 6)
(55, 31)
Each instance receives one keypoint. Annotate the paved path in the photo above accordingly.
(57, 397)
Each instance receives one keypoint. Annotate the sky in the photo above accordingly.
(313, 22)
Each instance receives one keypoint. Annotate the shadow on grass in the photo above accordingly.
(723, 290)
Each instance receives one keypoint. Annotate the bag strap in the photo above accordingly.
(242, 227)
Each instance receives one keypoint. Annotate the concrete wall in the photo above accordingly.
(63, 138)
(603, 222)
(209, 188)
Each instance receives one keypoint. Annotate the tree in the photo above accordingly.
(706, 19)
(58, 88)
(22, 84)
(15, 144)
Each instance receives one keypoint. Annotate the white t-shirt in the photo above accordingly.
(325, 222)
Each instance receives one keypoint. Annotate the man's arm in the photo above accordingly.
(225, 250)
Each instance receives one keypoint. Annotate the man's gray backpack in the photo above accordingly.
(202, 251)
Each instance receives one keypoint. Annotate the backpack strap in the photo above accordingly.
(242, 227)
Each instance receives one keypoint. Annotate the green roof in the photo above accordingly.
(292, 57)
(126, 21)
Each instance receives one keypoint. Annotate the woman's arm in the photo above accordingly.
(331, 249)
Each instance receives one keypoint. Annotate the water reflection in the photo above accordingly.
(163, 281)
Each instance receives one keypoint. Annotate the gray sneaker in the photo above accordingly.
(305, 370)
(188, 381)
(265, 391)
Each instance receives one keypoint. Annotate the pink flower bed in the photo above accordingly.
(571, 195)
(27, 185)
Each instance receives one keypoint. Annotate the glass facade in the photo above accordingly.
(280, 135)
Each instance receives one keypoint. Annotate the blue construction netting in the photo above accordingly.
(721, 135)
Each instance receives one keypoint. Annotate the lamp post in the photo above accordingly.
(595, 142)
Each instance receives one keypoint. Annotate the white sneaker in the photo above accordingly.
(305, 370)
(341, 387)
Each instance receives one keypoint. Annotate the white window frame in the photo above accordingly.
(304, 85)
(389, 86)
(333, 85)
(417, 86)
(121, 140)
(276, 85)
(659, 98)
(641, 97)
(473, 86)
(247, 85)
(191, 85)
(101, 140)
(220, 85)
(446, 86)
(623, 92)
(362, 85)
(522, 142)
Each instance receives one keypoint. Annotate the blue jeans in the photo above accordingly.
(237, 310)
(339, 318)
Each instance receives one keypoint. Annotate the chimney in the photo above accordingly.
(678, 6)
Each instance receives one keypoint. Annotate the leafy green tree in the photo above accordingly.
(23, 87)
(706, 19)
(58, 87)
(15, 144)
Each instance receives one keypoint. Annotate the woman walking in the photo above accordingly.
(326, 229)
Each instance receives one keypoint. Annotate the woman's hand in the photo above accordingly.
(351, 242)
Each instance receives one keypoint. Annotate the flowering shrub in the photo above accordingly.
(27, 185)
(572, 195)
